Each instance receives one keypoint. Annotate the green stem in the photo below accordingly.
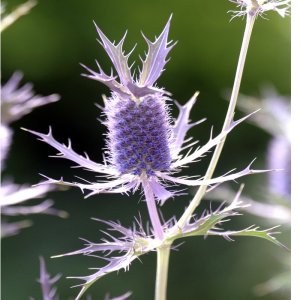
(228, 120)
(163, 252)
(163, 255)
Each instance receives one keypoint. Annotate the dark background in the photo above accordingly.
(47, 45)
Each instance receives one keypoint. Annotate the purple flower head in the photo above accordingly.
(138, 135)
(144, 145)
(137, 118)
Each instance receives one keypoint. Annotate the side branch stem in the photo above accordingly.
(228, 120)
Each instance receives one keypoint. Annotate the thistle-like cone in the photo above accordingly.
(138, 134)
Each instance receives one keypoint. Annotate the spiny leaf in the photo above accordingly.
(252, 231)
(117, 56)
(156, 57)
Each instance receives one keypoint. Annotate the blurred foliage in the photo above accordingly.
(47, 45)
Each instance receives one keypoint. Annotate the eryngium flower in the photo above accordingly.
(17, 101)
(144, 145)
(138, 135)
(259, 7)
(275, 118)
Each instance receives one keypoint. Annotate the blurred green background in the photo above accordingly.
(48, 45)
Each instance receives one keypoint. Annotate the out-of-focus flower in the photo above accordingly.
(274, 212)
(13, 228)
(275, 111)
(273, 205)
(16, 102)
(279, 154)
(5, 142)
(12, 195)
(275, 118)
(19, 101)
(21, 10)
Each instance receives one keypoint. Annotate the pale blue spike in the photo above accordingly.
(155, 60)
(117, 56)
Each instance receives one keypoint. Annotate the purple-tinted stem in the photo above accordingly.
(151, 205)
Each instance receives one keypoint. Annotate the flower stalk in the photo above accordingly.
(163, 255)
(228, 120)
(152, 209)
(215, 158)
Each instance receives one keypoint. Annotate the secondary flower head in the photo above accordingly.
(275, 119)
(13, 195)
(17, 101)
(259, 7)
(144, 145)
